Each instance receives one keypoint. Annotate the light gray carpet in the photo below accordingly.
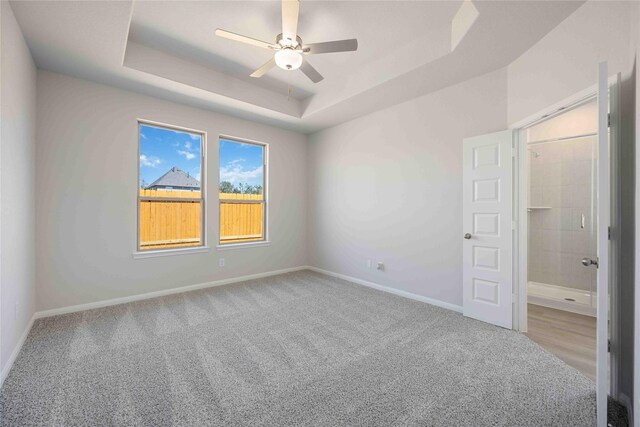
(296, 349)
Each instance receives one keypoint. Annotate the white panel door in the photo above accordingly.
(487, 228)
(602, 263)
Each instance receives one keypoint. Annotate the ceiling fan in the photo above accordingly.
(289, 48)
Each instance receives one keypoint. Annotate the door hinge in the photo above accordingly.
(608, 346)
(609, 233)
(608, 119)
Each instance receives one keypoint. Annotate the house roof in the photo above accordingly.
(175, 177)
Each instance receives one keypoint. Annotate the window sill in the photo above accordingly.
(169, 252)
(230, 246)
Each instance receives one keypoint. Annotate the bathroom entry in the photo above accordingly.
(561, 162)
(549, 181)
(561, 212)
(567, 217)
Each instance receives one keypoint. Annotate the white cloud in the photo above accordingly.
(235, 173)
(194, 136)
(150, 162)
(187, 154)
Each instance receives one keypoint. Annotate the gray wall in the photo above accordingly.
(388, 187)
(17, 176)
(632, 303)
(86, 185)
(564, 63)
(562, 178)
(627, 233)
(385, 187)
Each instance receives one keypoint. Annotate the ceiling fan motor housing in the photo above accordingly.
(288, 48)
(288, 55)
(288, 42)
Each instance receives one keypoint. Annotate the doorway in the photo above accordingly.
(567, 159)
(561, 281)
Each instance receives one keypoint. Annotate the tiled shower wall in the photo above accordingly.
(561, 175)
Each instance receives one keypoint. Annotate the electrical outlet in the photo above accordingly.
(221, 262)
(369, 263)
(380, 266)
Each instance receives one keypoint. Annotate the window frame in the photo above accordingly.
(202, 247)
(264, 241)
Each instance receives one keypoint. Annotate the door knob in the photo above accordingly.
(587, 262)
(467, 236)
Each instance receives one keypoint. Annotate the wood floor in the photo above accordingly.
(570, 336)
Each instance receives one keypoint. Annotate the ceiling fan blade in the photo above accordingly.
(290, 9)
(265, 67)
(331, 47)
(311, 72)
(243, 39)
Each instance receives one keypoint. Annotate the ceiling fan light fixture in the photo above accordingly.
(288, 59)
(289, 47)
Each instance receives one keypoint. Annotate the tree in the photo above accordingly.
(240, 188)
(227, 187)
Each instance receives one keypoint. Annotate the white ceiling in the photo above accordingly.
(379, 28)
(167, 49)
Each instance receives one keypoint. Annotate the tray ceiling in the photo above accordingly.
(169, 50)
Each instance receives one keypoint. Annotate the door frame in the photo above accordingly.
(520, 197)
(521, 189)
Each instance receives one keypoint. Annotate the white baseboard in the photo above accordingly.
(7, 367)
(155, 294)
(438, 303)
(123, 300)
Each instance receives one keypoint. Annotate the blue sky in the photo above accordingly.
(161, 149)
(241, 163)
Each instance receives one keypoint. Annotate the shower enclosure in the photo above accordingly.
(562, 161)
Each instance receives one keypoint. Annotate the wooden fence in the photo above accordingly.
(170, 219)
(240, 222)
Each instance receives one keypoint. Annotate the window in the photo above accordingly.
(242, 191)
(170, 196)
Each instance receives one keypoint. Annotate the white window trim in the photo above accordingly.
(204, 247)
(153, 253)
(244, 245)
(265, 196)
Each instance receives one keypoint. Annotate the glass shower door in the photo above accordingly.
(562, 160)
